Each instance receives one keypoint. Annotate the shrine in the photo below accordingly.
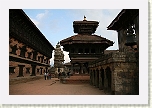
(85, 46)
(58, 59)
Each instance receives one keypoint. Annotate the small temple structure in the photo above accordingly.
(58, 59)
(85, 46)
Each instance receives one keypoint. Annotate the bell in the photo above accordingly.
(130, 38)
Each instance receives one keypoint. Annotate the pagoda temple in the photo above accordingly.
(85, 46)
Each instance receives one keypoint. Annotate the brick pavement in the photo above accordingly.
(52, 87)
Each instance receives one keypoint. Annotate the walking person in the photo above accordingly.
(45, 75)
(49, 75)
(59, 75)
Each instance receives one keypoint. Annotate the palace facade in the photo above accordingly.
(29, 51)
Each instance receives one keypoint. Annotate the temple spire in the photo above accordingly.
(85, 18)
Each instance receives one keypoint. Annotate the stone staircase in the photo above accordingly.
(76, 79)
(17, 80)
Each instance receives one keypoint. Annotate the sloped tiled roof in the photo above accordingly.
(85, 39)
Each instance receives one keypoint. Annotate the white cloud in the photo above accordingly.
(39, 20)
(66, 57)
(42, 15)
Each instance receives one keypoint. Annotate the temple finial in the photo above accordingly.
(85, 18)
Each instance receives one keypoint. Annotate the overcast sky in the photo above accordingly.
(57, 24)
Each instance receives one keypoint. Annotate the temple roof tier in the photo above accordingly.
(86, 39)
(85, 27)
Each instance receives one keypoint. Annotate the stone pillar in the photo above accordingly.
(136, 21)
(93, 77)
(90, 77)
(20, 70)
(41, 70)
(121, 40)
(81, 68)
(72, 65)
(33, 70)
(97, 78)
(100, 80)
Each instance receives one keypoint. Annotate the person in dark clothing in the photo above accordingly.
(59, 75)
(45, 75)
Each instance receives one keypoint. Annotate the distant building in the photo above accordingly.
(29, 51)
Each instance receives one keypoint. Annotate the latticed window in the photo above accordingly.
(86, 50)
(72, 50)
(93, 51)
(80, 50)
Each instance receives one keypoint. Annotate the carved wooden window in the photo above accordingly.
(11, 69)
(29, 55)
(87, 50)
(14, 48)
(34, 55)
(23, 50)
(93, 50)
(80, 50)
(72, 50)
(39, 58)
(42, 59)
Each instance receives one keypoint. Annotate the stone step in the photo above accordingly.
(24, 79)
(76, 80)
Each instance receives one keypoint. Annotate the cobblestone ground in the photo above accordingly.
(52, 87)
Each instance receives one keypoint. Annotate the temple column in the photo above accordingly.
(20, 70)
(33, 70)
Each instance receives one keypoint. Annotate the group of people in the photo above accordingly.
(47, 76)
(63, 74)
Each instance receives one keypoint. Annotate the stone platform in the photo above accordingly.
(76, 79)
(17, 80)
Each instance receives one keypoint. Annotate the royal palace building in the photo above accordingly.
(29, 51)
